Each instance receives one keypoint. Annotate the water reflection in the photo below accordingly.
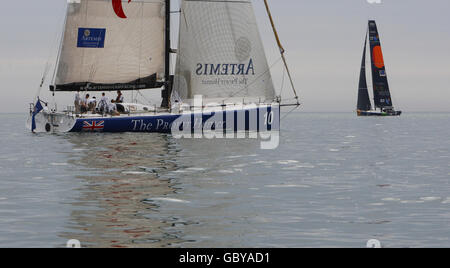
(121, 172)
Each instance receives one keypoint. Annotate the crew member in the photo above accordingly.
(103, 104)
(84, 104)
(112, 108)
(92, 103)
(119, 98)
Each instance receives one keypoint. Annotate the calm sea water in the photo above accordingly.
(335, 181)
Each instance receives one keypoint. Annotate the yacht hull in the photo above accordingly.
(380, 114)
(260, 118)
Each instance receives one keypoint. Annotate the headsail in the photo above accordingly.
(382, 95)
(220, 53)
(363, 92)
(103, 51)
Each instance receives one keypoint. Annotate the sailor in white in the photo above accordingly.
(84, 104)
(112, 108)
(92, 103)
(103, 104)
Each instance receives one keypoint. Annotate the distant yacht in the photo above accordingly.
(382, 96)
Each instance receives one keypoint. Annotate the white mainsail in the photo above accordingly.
(102, 51)
(220, 53)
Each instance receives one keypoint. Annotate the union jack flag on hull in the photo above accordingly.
(93, 125)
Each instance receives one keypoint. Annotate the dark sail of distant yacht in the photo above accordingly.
(363, 94)
(381, 92)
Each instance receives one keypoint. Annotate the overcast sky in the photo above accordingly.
(323, 39)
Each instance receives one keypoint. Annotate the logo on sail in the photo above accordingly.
(91, 38)
(225, 69)
(118, 8)
(225, 74)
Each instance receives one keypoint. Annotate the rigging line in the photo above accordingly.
(44, 76)
(61, 41)
(291, 111)
(185, 19)
(290, 104)
(142, 95)
(288, 100)
(58, 56)
(282, 50)
(48, 65)
(282, 83)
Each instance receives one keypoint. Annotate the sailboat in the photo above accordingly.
(382, 97)
(222, 78)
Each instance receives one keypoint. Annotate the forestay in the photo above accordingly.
(102, 51)
(220, 54)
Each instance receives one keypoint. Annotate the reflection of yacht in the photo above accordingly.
(220, 58)
(381, 92)
(110, 211)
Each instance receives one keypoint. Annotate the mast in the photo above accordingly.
(167, 83)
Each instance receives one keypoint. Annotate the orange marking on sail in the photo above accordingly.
(378, 59)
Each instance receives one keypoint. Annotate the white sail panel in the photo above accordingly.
(220, 54)
(102, 51)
